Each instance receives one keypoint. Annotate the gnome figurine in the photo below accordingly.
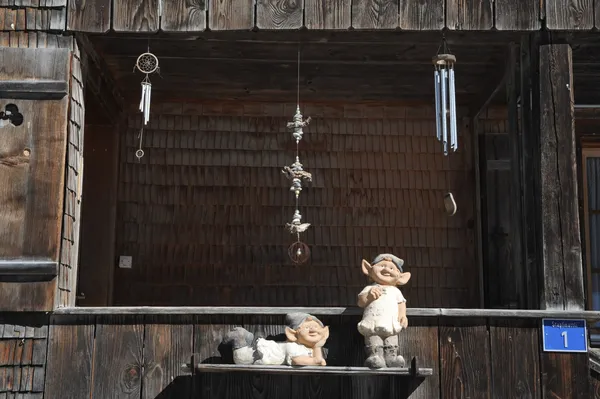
(384, 314)
(305, 335)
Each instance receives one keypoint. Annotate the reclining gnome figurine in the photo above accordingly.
(305, 334)
(384, 314)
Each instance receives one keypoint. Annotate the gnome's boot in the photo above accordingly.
(390, 351)
(240, 340)
(374, 347)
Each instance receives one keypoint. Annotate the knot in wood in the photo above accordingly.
(130, 378)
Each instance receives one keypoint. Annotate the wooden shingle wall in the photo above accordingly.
(33, 15)
(23, 345)
(203, 213)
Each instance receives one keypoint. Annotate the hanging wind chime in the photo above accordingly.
(445, 99)
(445, 109)
(147, 63)
(298, 251)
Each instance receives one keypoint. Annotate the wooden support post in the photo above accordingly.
(512, 91)
(560, 234)
(529, 142)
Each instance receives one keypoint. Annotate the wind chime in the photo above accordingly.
(298, 251)
(445, 109)
(445, 99)
(147, 63)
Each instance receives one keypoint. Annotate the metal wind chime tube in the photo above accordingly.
(436, 83)
(445, 101)
(452, 94)
(145, 101)
(443, 112)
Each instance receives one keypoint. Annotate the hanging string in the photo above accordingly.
(298, 141)
(298, 89)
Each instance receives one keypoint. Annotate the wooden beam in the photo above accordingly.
(516, 272)
(89, 15)
(561, 241)
(34, 89)
(99, 80)
(323, 311)
(477, 201)
(487, 100)
(529, 68)
(302, 370)
(21, 267)
(374, 14)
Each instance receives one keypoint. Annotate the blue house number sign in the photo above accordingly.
(569, 335)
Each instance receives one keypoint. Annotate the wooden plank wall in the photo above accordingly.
(140, 357)
(33, 170)
(203, 213)
(198, 15)
(433, 15)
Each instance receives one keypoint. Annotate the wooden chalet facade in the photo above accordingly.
(202, 213)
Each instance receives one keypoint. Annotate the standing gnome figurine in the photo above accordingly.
(384, 314)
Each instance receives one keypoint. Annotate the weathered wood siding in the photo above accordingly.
(203, 213)
(561, 240)
(198, 15)
(141, 357)
(32, 165)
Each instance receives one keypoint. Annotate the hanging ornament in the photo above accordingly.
(298, 251)
(146, 63)
(140, 153)
(445, 99)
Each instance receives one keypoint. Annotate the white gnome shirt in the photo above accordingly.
(277, 353)
(380, 317)
(294, 350)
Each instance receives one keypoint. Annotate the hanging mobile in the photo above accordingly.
(298, 252)
(147, 63)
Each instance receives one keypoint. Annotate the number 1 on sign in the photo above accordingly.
(565, 340)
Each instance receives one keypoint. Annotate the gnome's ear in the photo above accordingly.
(403, 278)
(366, 267)
(290, 334)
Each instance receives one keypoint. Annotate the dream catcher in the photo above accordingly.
(298, 251)
(147, 63)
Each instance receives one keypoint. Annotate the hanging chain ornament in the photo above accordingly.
(445, 98)
(140, 153)
(298, 251)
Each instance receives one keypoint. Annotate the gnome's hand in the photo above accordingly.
(403, 321)
(321, 343)
(374, 293)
